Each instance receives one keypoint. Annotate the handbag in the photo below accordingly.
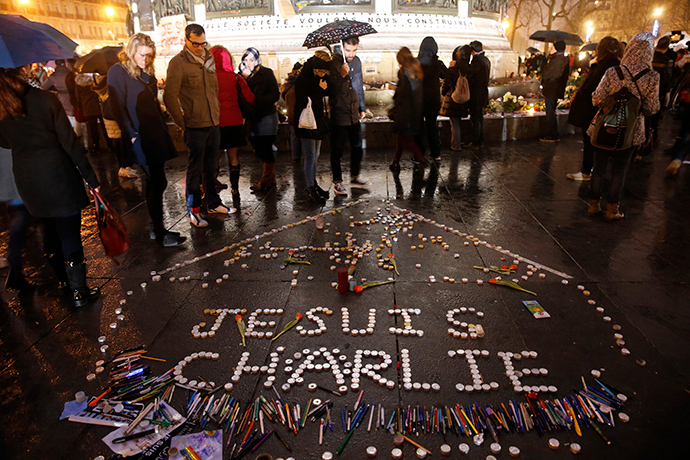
(111, 228)
(245, 107)
(461, 93)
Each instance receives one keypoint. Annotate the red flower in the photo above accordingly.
(493, 281)
(238, 317)
(390, 255)
(505, 267)
(298, 315)
(513, 267)
(358, 288)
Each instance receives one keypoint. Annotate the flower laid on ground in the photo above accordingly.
(289, 325)
(294, 260)
(510, 284)
(391, 260)
(368, 284)
(351, 270)
(504, 270)
(242, 327)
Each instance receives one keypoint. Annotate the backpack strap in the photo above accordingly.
(637, 77)
(619, 71)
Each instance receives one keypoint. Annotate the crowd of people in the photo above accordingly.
(219, 109)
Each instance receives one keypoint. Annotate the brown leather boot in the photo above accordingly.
(268, 178)
(612, 212)
(594, 207)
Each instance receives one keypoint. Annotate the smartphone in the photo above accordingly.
(337, 49)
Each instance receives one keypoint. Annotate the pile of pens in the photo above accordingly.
(585, 408)
(131, 381)
(351, 422)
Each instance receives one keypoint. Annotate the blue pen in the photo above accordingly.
(390, 422)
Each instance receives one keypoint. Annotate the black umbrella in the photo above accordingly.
(99, 61)
(551, 36)
(24, 42)
(337, 31)
(589, 47)
(532, 49)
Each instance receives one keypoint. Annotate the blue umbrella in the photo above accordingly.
(24, 42)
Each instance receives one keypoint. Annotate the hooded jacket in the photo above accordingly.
(230, 114)
(434, 70)
(638, 56)
(307, 86)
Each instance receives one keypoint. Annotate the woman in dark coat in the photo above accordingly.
(264, 124)
(407, 108)
(133, 89)
(450, 108)
(49, 168)
(582, 110)
(312, 84)
(434, 70)
(231, 123)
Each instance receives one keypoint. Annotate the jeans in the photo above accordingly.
(587, 153)
(156, 183)
(311, 149)
(434, 138)
(619, 166)
(62, 236)
(551, 120)
(477, 119)
(354, 135)
(19, 225)
(204, 147)
(295, 144)
(455, 139)
(263, 146)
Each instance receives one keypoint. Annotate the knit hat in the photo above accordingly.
(255, 54)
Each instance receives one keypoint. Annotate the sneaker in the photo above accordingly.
(356, 182)
(222, 209)
(549, 139)
(196, 220)
(339, 189)
(673, 167)
(128, 172)
(578, 176)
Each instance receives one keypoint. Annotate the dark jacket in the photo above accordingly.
(452, 108)
(663, 64)
(288, 95)
(266, 92)
(581, 109)
(357, 81)
(87, 100)
(344, 100)
(478, 75)
(137, 111)
(191, 91)
(434, 70)
(307, 86)
(47, 158)
(62, 82)
(555, 75)
(408, 103)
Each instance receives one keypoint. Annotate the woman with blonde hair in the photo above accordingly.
(407, 108)
(133, 90)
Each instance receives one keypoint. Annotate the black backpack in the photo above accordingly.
(615, 123)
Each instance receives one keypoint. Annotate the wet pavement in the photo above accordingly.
(476, 205)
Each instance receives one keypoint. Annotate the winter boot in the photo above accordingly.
(612, 212)
(235, 181)
(57, 263)
(83, 295)
(594, 207)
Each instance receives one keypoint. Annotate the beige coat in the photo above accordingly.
(191, 91)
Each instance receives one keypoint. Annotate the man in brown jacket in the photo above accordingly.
(191, 97)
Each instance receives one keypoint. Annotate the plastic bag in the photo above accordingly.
(307, 120)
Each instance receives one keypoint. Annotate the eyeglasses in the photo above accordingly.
(197, 45)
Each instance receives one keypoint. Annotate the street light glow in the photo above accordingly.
(589, 24)
(658, 11)
(109, 11)
(23, 2)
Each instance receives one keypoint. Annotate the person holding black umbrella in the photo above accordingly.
(133, 94)
(554, 81)
(50, 168)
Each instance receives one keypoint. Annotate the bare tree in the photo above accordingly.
(524, 14)
(572, 12)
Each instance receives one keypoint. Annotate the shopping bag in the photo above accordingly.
(307, 120)
(111, 228)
